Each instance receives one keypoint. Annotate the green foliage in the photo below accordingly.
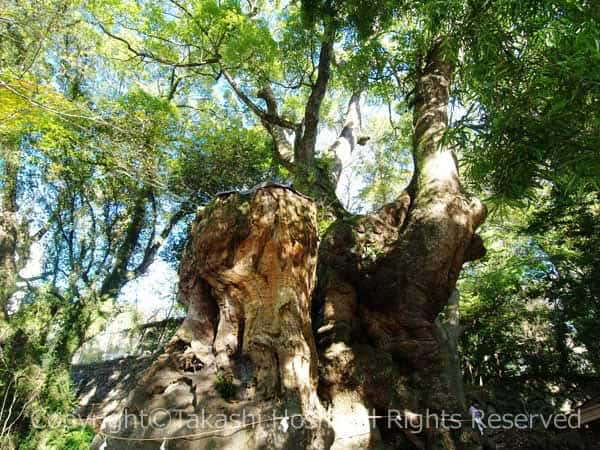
(532, 305)
(34, 379)
(568, 226)
(72, 437)
(502, 302)
(220, 157)
(532, 71)
(26, 29)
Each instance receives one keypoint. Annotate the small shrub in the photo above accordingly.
(75, 438)
(224, 386)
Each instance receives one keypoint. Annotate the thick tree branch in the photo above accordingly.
(266, 93)
(119, 274)
(305, 152)
(174, 81)
(271, 120)
(270, 115)
(155, 244)
(241, 95)
(284, 149)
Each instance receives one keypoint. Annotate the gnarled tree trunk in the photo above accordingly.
(246, 346)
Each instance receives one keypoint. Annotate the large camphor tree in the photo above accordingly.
(296, 305)
(339, 326)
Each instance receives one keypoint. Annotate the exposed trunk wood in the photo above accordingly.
(247, 277)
